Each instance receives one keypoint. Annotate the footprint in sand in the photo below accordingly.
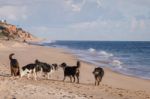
(121, 95)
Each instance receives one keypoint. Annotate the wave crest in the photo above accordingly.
(104, 53)
(91, 50)
(116, 62)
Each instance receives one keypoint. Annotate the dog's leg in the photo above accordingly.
(64, 78)
(70, 79)
(15, 72)
(73, 78)
(28, 75)
(95, 80)
(99, 80)
(98, 83)
(41, 73)
(11, 70)
(35, 75)
(78, 80)
(77, 75)
(48, 75)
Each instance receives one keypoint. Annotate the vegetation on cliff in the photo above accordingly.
(9, 31)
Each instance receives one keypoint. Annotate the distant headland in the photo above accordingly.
(12, 32)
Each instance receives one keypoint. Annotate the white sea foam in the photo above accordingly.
(116, 59)
(104, 53)
(48, 41)
(91, 50)
(116, 62)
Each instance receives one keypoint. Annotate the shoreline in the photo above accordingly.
(113, 85)
(107, 69)
(73, 55)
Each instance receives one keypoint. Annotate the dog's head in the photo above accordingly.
(63, 65)
(24, 71)
(96, 71)
(55, 66)
(38, 65)
(37, 61)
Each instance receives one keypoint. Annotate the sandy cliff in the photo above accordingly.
(9, 31)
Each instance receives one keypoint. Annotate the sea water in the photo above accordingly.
(126, 57)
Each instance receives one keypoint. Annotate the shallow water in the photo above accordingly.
(130, 58)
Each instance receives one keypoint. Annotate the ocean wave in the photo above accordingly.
(117, 63)
(104, 53)
(48, 42)
(115, 57)
(91, 50)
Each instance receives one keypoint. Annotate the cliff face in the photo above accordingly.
(10, 31)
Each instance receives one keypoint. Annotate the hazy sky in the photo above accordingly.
(80, 19)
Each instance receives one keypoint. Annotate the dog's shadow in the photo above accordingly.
(68, 82)
(5, 75)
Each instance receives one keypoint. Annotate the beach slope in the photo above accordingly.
(113, 85)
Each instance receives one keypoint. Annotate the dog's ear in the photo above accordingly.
(95, 70)
(63, 65)
(23, 68)
(36, 61)
(12, 54)
(54, 65)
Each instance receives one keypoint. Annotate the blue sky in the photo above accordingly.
(81, 19)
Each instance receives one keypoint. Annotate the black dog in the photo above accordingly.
(14, 66)
(98, 73)
(71, 71)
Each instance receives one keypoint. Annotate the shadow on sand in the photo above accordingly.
(5, 75)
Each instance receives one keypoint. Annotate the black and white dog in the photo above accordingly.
(45, 68)
(30, 69)
(38, 67)
(71, 71)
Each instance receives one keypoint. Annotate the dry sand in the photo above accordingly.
(113, 85)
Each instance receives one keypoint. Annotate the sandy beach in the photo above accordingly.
(113, 85)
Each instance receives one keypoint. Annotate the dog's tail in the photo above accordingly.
(10, 56)
(78, 64)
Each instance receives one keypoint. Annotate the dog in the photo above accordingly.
(29, 69)
(71, 71)
(14, 66)
(45, 68)
(36, 67)
(98, 74)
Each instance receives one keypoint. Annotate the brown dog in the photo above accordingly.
(98, 74)
(14, 66)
